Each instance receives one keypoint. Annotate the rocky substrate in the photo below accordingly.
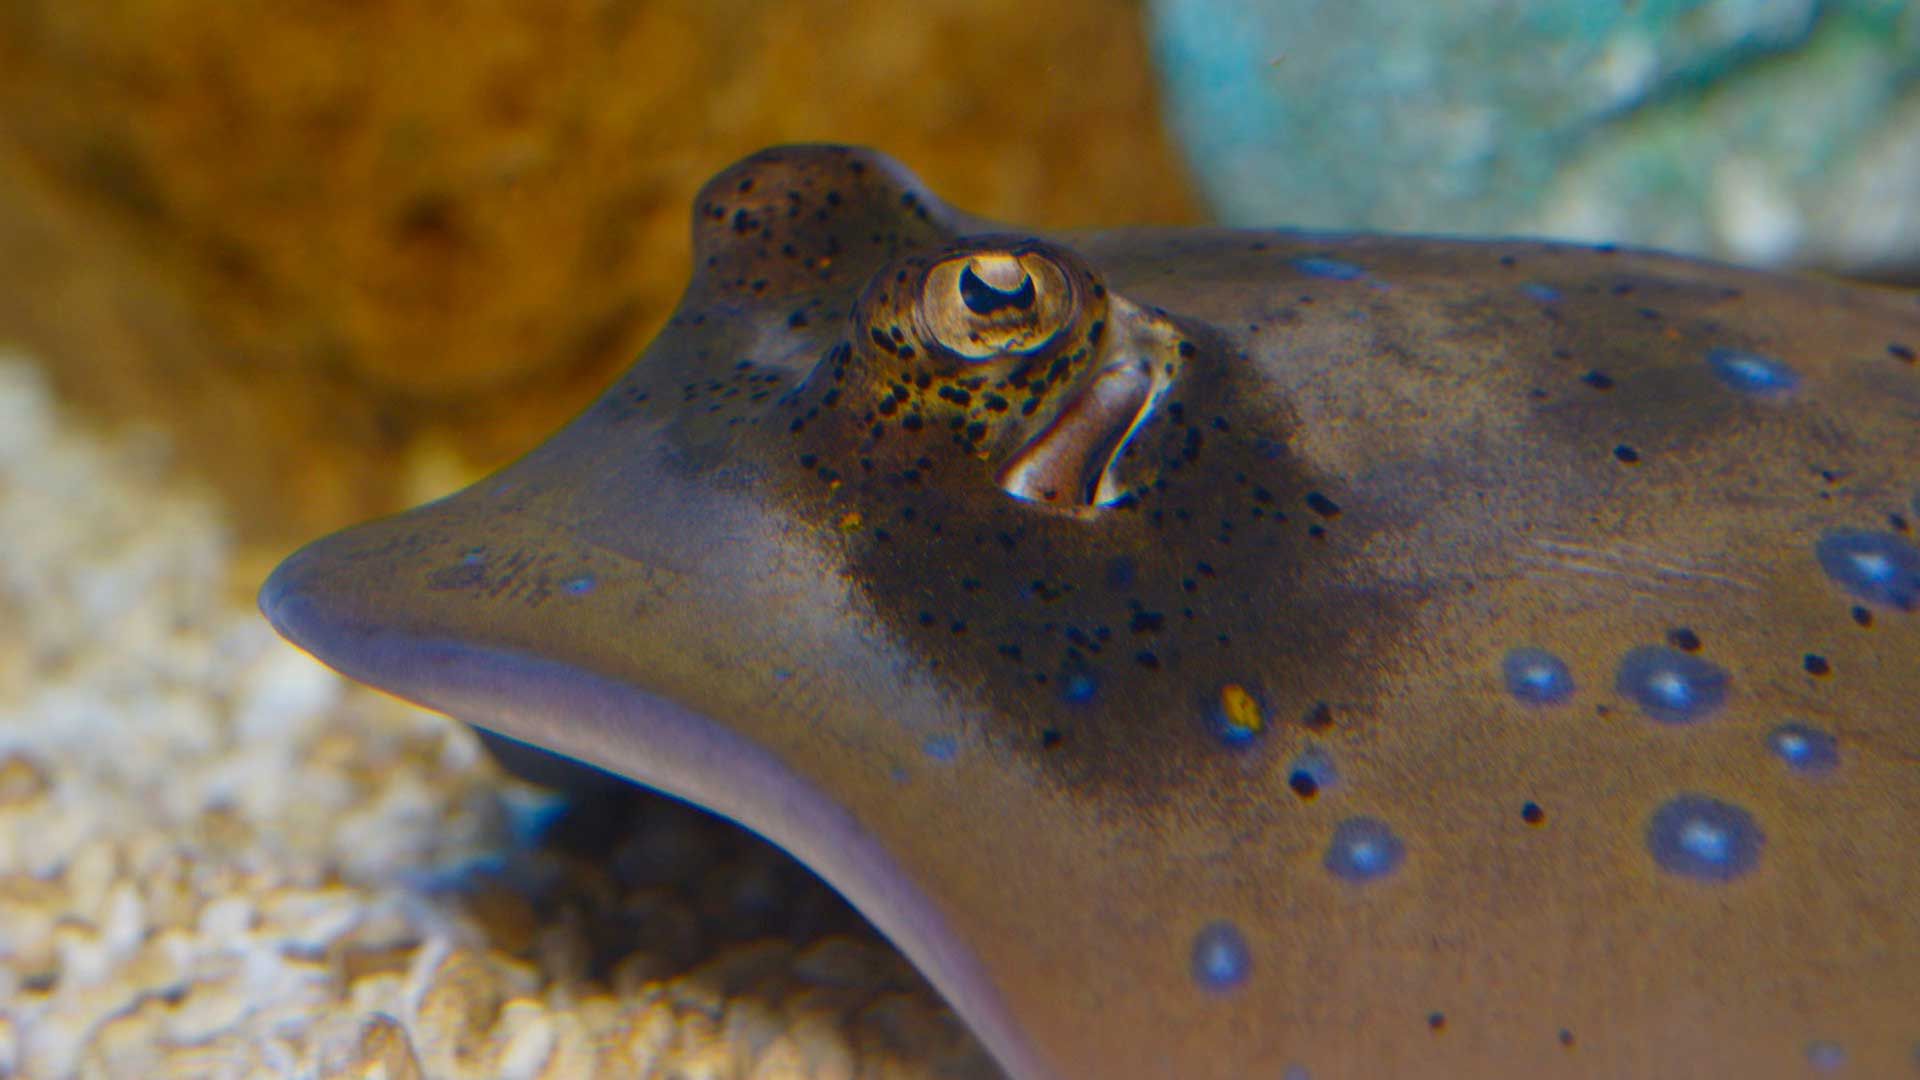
(219, 859)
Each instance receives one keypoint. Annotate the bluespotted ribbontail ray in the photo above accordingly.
(1208, 653)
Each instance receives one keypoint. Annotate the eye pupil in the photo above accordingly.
(983, 299)
(986, 302)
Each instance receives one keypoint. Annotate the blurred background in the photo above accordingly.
(268, 269)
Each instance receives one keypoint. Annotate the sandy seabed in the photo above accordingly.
(219, 859)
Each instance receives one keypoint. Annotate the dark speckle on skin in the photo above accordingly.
(1701, 837)
(1751, 373)
(1671, 686)
(1805, 749)
(465, 574)
(1363, 849)
(1311, 772)
(1220, 959)
(1878, 567)
(1537, 677)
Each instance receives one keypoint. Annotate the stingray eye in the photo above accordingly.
(988, 304)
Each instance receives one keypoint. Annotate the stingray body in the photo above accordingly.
(1212, 653)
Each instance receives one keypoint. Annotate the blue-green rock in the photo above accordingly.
(1762, 130)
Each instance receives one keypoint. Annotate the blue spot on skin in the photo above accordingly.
(1700, 837)
(1220, 958)
(1804, 749)
(940, 747)
(1671, 686)
(1078, 687)
(1826, 1055)
(1332, 269)
(1878, 567)
(1537, 677)
(474, 556)
(1234, 735)
(1761, 376)
(1546, 294)
(579, 586)
(1363, 849)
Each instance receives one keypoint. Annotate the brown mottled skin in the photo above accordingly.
(1348, 496)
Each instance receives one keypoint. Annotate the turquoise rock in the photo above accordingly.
(1766, 131)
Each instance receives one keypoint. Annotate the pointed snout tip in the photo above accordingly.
(307, 603)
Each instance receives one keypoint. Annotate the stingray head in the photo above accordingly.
(695, 585)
